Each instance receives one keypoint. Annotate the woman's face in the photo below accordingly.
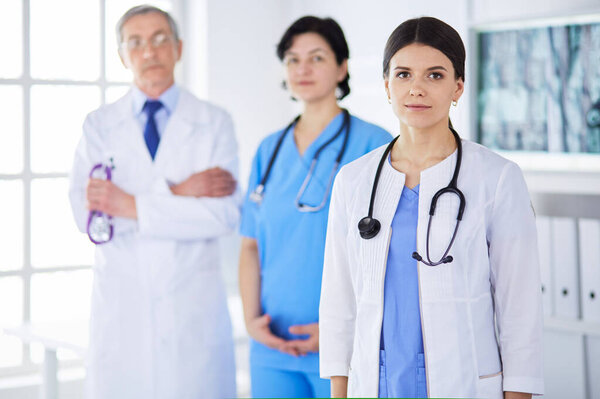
(311, 70)
(421, 86)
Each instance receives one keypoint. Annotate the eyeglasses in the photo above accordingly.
(138, 44)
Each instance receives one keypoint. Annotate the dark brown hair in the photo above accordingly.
(330, 31)
(431, 32)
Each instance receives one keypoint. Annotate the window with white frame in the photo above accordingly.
(59, 63)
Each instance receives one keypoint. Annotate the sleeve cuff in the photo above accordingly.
(534, 386)
(329, 370)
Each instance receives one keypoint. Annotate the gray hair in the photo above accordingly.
(141, 10)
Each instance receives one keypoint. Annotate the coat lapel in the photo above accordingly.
(179, 127)
(437, 281)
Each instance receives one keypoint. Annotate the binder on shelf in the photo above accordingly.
(589, 259)
(565, 268)
(593, 366)
(545, 258)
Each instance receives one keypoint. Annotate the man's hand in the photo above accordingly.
(106, 197)
(303, 346)
(258, 329)
(214, 182)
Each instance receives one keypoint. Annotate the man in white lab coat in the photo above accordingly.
(159, 321)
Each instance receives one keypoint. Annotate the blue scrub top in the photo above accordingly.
(401, 358)
(291, 243)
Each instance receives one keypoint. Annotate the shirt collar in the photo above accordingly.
(168, 99)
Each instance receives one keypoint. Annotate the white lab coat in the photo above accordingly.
(495, 274)
(159, 325)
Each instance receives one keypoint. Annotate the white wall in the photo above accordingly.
(499, 11)
(244, 74)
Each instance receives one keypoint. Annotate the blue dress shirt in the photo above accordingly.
(169, 101)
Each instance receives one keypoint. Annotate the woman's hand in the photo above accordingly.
(258, 328)
(517, 395)
(257, 324)
(298, 347)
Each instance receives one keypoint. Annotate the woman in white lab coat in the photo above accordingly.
(410, 303)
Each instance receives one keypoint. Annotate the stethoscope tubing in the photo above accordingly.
(369, 227)
(258, 193)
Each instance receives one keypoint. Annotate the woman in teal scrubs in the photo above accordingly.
(285, 211)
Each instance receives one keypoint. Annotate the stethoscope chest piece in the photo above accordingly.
(368, 227)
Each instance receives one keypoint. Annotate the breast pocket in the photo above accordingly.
(372, 255)
(127, 166)
(191, 155)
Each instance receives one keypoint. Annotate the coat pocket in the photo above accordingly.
(490, 386)
(351, 382)
(382, 376)
(421, 382)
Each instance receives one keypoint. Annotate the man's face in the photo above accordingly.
(150, 50)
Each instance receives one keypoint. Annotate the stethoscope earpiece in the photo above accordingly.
(368, 227)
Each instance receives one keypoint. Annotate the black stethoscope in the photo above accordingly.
(369, 227)
(258, 193)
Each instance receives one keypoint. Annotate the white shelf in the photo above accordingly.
(572, 326)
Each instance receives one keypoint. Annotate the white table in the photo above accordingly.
(71, 335)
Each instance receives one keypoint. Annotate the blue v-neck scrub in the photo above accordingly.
(291, 246)
(401, 355)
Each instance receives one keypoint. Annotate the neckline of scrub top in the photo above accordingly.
(411, 193)
(446, 162)
(329, 131)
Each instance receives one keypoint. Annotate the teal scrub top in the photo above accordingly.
(291, 243)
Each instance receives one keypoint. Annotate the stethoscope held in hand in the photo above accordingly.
(369, 227)
(99, 225)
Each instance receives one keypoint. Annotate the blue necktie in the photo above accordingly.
(151, 131)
